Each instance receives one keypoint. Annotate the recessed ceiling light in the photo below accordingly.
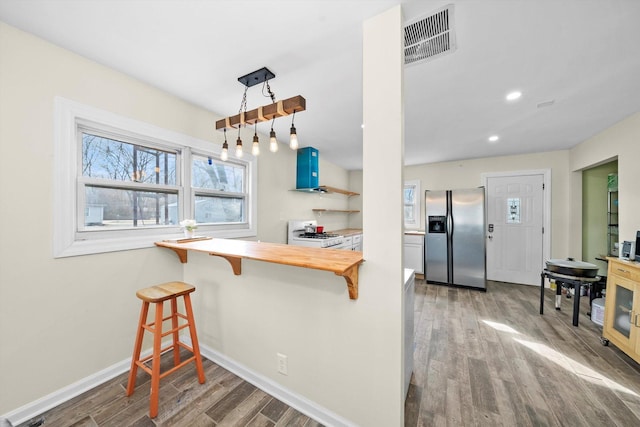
(512, 96)
(494, 138)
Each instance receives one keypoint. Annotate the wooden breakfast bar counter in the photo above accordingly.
(342, 263)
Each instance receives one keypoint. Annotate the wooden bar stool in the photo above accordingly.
(158, 295)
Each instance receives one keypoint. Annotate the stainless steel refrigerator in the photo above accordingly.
(455, 237)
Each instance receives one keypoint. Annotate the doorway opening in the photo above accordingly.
(600, 214)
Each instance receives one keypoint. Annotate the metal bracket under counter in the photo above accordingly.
(342, 263)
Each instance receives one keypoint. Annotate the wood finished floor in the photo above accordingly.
(223, 400)
(481, 359)
(490, 359)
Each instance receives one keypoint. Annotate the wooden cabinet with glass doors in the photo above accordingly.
(622, 307)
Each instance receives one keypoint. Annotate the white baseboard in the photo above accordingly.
(37, 407)
(296, 401)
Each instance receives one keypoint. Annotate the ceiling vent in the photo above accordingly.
(429, 37)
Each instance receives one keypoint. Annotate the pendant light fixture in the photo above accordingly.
(243, 110)
(225, 148)
(266, 112)
(255, 147)
(293, 136)
(239, 151)
(273, 142)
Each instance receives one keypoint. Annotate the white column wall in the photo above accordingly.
(383, 209)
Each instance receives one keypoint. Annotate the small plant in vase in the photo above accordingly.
(189, 226)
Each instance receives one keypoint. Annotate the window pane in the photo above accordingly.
(121, 161)
(409, 204)
(409, 194)
(211, 209)
(217, 175)
(112, 208)
(408, 214)
(513, 210)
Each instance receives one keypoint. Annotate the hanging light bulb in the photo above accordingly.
(293, 136)
(273, 142)
(293, 141)
(224, 156)
(225, 148)
(239, 152)
(255, 147)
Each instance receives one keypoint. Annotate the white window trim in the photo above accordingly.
(67, 114)
(416, 206)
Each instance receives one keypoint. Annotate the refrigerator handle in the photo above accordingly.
(450, 277)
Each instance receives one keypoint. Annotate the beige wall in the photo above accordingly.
(355, 203)
(622, 141)
(62, 320)
(468, 174)
(277, 203)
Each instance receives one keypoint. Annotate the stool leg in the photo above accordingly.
(174, 326)
(137, 347)
(155, 365)
(194, 338)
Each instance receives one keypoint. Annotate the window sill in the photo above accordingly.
(117, 244)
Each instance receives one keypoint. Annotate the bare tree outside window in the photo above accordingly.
(111, 164)
(220, 190)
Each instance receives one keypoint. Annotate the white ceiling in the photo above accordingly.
(582, 54)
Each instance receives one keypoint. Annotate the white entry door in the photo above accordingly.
(515, 209)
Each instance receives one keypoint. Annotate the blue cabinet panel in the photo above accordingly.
(307, 168)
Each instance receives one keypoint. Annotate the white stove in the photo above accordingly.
(300, 234)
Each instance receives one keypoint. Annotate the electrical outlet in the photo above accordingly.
(283, 365)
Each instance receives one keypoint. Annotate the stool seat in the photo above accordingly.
(165, 291)
(157, 295)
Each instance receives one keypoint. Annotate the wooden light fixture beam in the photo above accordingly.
(264, 113)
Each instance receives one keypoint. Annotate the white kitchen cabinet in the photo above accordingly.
(348, 243)
(409, 303)
(414, 252)
(356, 243)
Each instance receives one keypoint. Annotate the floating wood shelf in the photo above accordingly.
(325, 189)
(336, 210)
(342, 263)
